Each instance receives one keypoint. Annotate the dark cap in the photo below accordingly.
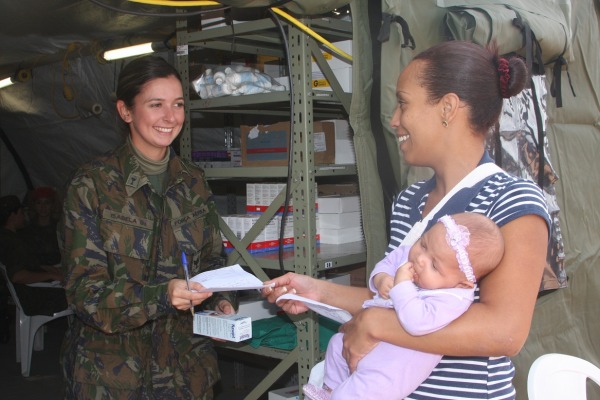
(8, 205)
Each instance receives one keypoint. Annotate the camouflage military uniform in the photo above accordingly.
(122, 245)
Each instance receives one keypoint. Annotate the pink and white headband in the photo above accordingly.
(457, 237)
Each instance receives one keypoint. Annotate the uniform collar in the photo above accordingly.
(134, 176)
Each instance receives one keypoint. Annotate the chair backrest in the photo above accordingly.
(559, 376)
(11, 288)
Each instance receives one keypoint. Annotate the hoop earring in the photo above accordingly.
(444, 123)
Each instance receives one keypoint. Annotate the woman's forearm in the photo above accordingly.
(460, 338)
(349, 298)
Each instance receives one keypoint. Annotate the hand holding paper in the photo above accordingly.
(228, 279)
(331, 312)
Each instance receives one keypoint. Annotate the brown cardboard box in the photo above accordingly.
(267, 145)
(338, 189)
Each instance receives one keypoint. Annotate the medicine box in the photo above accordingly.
(233, 327)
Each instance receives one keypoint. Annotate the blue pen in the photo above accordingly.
(187, 278)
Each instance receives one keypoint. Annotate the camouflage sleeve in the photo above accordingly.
(102, 301)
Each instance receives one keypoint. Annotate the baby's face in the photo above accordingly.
(434, 261)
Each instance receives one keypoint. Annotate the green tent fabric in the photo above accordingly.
(485, 21)
(371, 198)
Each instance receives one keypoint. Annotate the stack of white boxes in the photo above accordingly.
(339, 219)
(258, 198)
(240, 224)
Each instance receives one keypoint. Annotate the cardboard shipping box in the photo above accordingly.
(341, 67)
(338, 204)
(267, 145)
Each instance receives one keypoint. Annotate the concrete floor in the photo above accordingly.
(45, 380)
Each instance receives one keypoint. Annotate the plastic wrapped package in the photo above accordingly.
(234, 80)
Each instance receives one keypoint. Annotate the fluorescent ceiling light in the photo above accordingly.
(6, 82)
(130, 51)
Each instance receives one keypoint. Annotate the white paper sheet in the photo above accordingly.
(226, 279)
(331, 312)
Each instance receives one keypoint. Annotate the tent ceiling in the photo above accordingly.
(37, 32)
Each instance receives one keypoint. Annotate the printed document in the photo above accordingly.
(227, 279)
(331, 312)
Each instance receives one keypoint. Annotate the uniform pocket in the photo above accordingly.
(190, 230)
(126, 235)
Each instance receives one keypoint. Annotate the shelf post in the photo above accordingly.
(182, 65)
(303, 182)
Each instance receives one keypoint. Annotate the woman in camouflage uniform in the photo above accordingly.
(129, 216)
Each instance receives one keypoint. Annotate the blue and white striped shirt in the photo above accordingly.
(502, 198)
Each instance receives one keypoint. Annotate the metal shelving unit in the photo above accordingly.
(306, 257)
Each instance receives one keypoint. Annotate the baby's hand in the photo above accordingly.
(383, 283)
(405, 273)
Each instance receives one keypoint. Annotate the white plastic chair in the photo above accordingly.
(560, 377)
(27, 328)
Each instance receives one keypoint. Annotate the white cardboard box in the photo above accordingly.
(343, 76)
(338, 204)
(287, 393)
(233, 328)
(340, 236)
(336, 61)
(338, 221)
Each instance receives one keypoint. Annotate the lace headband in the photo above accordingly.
(457, 237)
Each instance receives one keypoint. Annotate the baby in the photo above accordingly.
(429, 285)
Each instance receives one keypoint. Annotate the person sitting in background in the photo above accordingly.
(22, 266)
(41, 231)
